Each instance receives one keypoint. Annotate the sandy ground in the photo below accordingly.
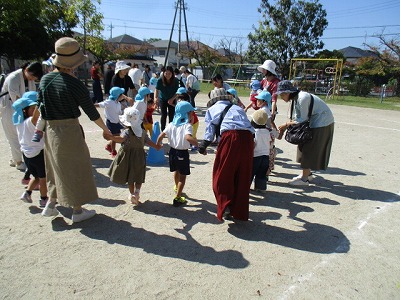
(337, 239)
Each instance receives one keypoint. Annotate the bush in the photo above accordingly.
(361, 86)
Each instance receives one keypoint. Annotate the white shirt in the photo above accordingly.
(25, 132)
(262, 142)
(141, 106)
(176, 135)
(112, 110)
(136, 75)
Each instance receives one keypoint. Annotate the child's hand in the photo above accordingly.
(107, 135)
(159, 146)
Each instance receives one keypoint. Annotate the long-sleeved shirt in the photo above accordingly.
(235, 119)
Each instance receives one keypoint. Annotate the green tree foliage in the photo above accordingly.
(29, 28)
(288, 29)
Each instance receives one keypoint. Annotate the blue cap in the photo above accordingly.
(255, 85)
(232, 92)
(153, 81)
(265, 96)
(143, 91)
(181, 113)
(181, 91)
(115, 92)
(27, 99)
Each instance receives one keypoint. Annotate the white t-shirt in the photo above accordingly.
(262, 142)
(25, 132)
(176, 135)
(141, 106)
(112, 110)
(136, 75)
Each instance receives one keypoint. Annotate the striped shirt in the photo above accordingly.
(61, 95)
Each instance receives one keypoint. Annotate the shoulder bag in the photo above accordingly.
(300, 133)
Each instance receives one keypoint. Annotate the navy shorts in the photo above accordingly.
(115, 128)
(35, 165)
(179, 161)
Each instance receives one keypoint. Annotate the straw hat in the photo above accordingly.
(68, 54)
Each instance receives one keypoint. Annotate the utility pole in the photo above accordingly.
(111, 28)
(179, 4)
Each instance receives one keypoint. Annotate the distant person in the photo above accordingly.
(180, 135)
(270, 83)
(135, 74)
(146, 75)
(61, 97)
(219, 83)
(233, 165)
(129, 165)
(165, 92)
(108, 75)
(255, 86)
(96, 76)
(315, 154)
(122, 80)
(192, 86)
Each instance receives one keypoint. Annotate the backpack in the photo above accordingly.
(2, 79)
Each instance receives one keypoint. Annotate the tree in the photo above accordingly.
(233, 49)
(288, 29)
(29, 28)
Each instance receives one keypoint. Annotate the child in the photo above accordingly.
(25, 118)
(148, 117)
(141, 99)
(129, 165)
(182, 95)
(262, 141)
(235, 99)
(179, 134)
(255, 85)
(112, 111)
(264, 103)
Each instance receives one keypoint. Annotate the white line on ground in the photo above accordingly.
(369, 126)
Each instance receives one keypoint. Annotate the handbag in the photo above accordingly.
(300, 133)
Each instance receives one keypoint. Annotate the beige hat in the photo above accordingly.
(182, 69)
(260, 117)
(218, 94)
(68, 54)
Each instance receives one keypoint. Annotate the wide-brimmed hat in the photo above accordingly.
(232, 92)
(181, 113)
(115, 92)
(121, 65)
(260, 117)
(286, 86)
(131, 118)
(255, 85)
(218, 94)
(68, 54)
(268, 65)
(27, 99)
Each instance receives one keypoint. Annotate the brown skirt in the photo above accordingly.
(315, 154)
(68, 165)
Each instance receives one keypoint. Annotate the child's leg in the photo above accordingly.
(134, 191)
(180, 181)
(32, 184)
(43, 187)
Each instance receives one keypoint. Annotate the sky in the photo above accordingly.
(350, 22)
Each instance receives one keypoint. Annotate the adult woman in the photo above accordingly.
(233, 165)
(15, 85)
(165, 95)
(218, 82)
(192, 86)
(68, 167)
(270, 83)
(121, 79)
(315, 154)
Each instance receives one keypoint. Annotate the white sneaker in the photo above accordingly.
(26, 197)
(21, 166)
(48, 211)
(309, 178)
(84, 215)
(298, 182)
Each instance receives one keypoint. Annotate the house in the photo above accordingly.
(174, 59)
(142, 52)
(352, 54)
